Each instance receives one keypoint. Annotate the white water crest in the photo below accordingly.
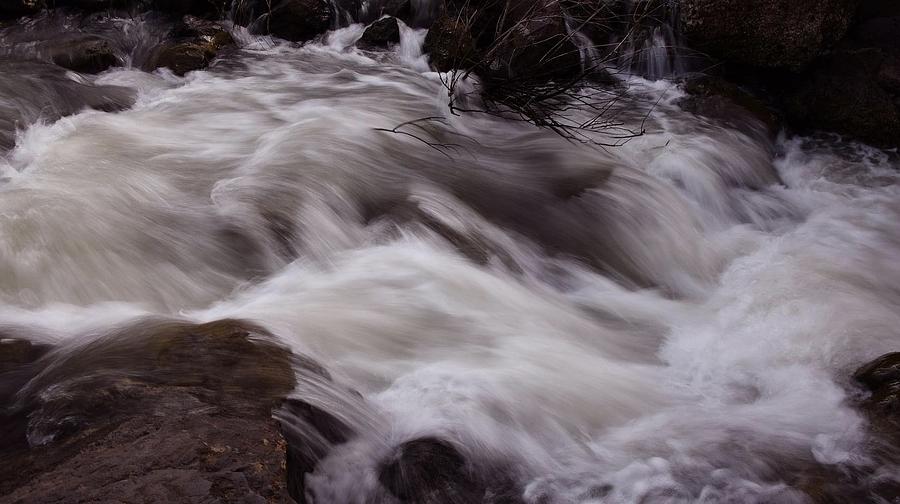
(678, 329)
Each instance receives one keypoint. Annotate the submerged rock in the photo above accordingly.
(766, 33)
(86, 54)
(195, 44)
(166, 410)
(381, 34)
(35, 90)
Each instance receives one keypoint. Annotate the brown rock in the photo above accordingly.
(766, 33)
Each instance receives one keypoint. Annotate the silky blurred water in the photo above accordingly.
(679, 329)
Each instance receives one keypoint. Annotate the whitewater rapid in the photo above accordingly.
(679, 328)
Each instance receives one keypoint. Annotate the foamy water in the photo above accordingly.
(681, 329)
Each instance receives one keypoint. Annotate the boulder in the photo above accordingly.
(89, 54)
(450, 45)
(506, 39)
(380, 34)
(166, 410)
(844, 93)
(430, 470)
(766, 33)
(881, 378)
(194, 45)
(295, 20)
(536, 47)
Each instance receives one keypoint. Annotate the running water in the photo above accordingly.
(673, 320)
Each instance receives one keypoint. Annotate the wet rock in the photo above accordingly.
(430, 470)
(881, 377)
(424, 470)
(311, 433)
(842, 93)
(86, 54)
(381, 34)
(195, 45)
(164, 410)
(295, 20)
(728, 104)
(450, 45)
(16, 352)
(766, 33)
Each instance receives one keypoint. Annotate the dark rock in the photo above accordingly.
(728, 104)
(166, 410)
(311, 432)
(18, 352)
(513, 39)
(295, 20)
(450, 45)
(881, 377)
(537, 48)
(427, 470)
(86, 54)
(430, 470)
(841, 93)
(381, 33)
(765, 33)
(196, 44)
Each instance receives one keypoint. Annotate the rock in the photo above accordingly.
(382, 33)
(196, 44)
(842, 93)
(419, 469)
(430, 470)
(537, 47)
(881, 377)
(729, 104)
(450, 45)
(85, 53)
(513, 39)
(295, 20)
(167, 410)
(765, 33)
(16, 352)
(311, 432)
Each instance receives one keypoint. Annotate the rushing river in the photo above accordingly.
(680, 326)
